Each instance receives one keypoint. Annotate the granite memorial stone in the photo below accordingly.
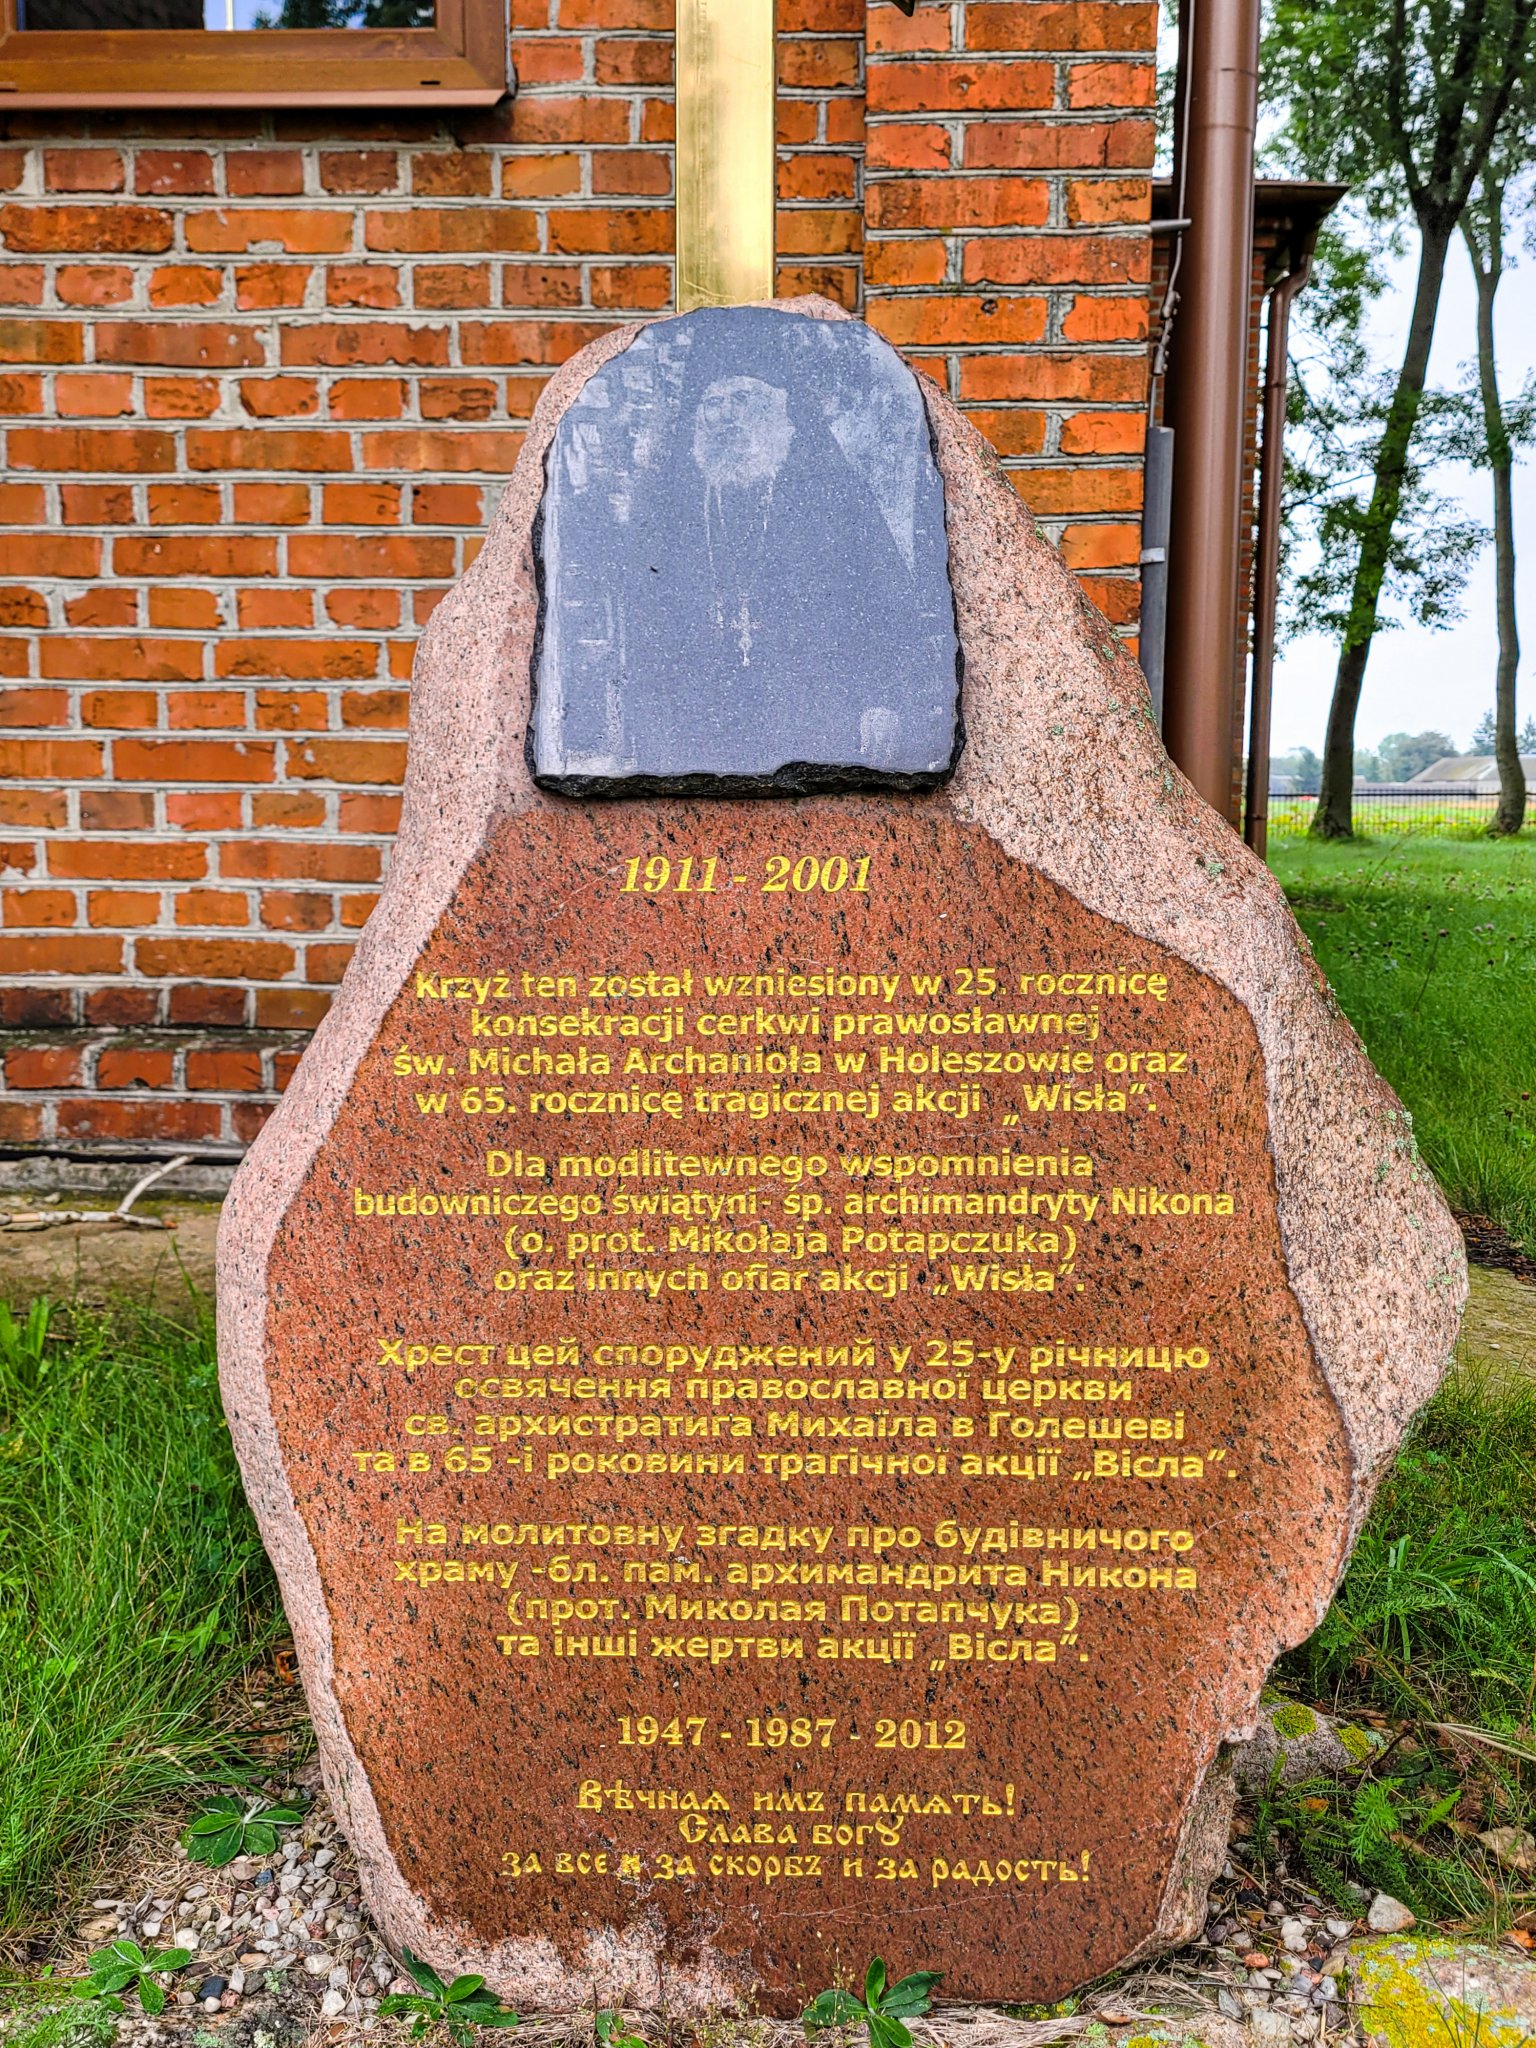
(799, 1360)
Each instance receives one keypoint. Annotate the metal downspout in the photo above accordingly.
(1266, 556)
(1207, 373)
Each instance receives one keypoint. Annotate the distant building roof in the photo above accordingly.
(1471, 768)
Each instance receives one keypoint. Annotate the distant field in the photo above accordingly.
(1430, 944)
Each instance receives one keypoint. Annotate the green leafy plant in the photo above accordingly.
(23, 1344)
(611, 2032)
(460, 2006)
(226, 1829)
(125, 1967)
(883, 2010)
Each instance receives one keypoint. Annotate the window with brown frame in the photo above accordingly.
(237, 53)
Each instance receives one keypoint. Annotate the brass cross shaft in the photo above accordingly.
(726, 103)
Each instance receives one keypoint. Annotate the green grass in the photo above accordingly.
(133, 1587)
(1432, 1638)
(1430, 945)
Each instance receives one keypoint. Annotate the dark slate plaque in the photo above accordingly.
(743, 569)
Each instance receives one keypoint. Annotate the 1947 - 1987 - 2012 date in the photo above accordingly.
(787, 1731)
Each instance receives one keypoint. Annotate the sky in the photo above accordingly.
(1418, 680)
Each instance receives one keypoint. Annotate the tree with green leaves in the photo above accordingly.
(1338, 407)
(1482, 229)
(1405, 100)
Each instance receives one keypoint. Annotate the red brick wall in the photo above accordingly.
(260, 380)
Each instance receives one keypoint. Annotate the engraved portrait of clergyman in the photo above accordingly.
(743, 567)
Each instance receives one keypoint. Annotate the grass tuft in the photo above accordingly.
(133, 1587)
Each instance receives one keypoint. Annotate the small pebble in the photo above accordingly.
(318, 1964)
(1295, 1934)
(212, 1987)
(1339, 1928)
(333, 2003)
(1388, 1915)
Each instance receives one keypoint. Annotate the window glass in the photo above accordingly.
(224, 15)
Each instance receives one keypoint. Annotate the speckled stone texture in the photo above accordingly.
(1092, 1788)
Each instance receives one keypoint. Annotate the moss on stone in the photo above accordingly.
(1356, 1741)
(1291, 1721)
(1440, 1994)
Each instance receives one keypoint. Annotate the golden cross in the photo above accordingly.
(726, 103)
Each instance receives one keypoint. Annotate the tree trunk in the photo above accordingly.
(1334, 817)
(1488, 269)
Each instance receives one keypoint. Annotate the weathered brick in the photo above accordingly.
(368, 554)
(433, 230)
(178, 344)
(133, 450)
(186, 284)
(99, 230)
(1068, 25)
(195, 761)
(231, 1069)
(302, 660)
(970, 85)
(258, 448)
(83, 170)
(258, 860)
(451, 174)
(113, 1119)
(223, 231)
(920, 322)
(41, 341)
(365, 342)
(136, 658)
(43, 1066)
(22, 707)
(1124, 317)
(1057, 259)
(70, 953)
(1111, 85)
(264, 173)
(374, 285)
(135, 1066)
(184, 172)
(957, 202)
(1068, 145)
(215, 959)
(348, 760)
(120, 709)
(359, 170)
(203, 554)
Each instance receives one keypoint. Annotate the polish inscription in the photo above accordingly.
(797, 1342)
